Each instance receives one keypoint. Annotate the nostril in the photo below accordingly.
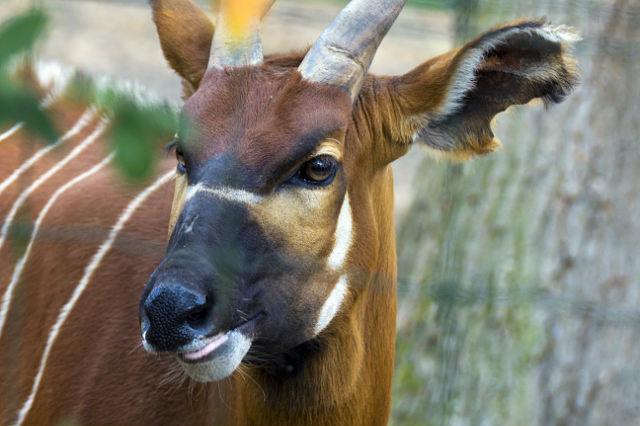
(173, 315)
(198, 316)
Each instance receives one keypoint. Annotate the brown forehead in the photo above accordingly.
(262, 115)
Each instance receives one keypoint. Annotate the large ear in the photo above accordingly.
(448, 102)
(185, 36)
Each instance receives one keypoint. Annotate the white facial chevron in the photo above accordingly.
(223, 192)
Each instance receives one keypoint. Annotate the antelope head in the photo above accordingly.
(282, 214)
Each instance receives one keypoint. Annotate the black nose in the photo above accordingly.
(173, 315)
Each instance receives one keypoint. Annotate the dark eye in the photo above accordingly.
(174, 145)
(182, 165)
(319, 170)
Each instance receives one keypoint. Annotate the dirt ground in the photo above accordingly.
(117, 38)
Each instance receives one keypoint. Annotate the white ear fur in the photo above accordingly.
(464, 79)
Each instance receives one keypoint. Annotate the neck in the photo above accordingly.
(344, 375)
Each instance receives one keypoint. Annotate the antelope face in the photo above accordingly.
(262, 223)
(264, 251)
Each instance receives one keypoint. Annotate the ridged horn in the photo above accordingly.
(236, 42)
(343, 53)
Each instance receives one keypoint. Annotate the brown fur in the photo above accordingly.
(185, 35)
(98, 374)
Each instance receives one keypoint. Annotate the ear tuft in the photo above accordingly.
(471, 144)
(532, 52)
(451, 100)
(560, 33)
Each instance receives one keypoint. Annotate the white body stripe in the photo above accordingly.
(224, 192)
(10, 132)
(343, 237)
(17, 272)
(84, 120)
(83, 283)
(332, 305)
(45, 176)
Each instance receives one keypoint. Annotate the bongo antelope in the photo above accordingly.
(274, 301)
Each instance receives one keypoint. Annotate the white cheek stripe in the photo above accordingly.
(90, 269)
(45, 176)
(77, 128)
(224, 192)
(332, 305)
(343, 237)
(336, 260)
(17, 272)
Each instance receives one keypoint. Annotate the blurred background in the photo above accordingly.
(519, 286)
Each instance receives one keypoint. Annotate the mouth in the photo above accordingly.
(207, 351)
(216, 357)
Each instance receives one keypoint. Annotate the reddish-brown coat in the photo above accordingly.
(99, 374)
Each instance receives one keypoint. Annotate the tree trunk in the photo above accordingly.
(519, 277)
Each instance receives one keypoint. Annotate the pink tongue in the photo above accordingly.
(212, 346)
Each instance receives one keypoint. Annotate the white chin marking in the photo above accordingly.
(224, 363)
(332, 304)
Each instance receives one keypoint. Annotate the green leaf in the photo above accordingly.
(137, 135)
(20, 104)
(19, 33)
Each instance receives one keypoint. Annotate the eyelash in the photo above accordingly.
(174, 147)
(302, 177)
(171, 147)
